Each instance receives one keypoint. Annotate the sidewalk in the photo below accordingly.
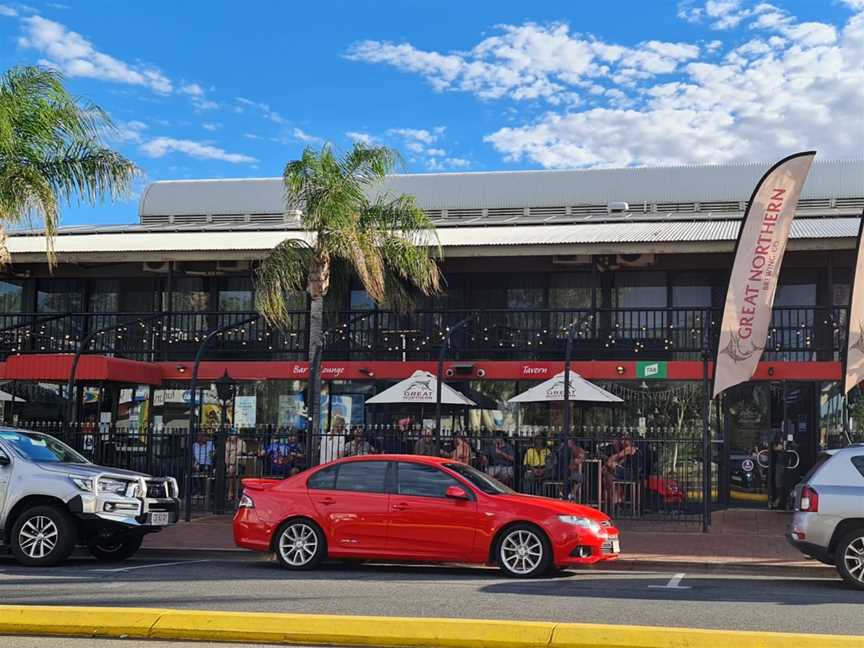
(739, 540)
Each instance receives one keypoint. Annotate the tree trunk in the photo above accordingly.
(316, 329)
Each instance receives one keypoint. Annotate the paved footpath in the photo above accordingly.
(249, 582)
(740, 539)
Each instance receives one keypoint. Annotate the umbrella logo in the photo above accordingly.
(419, 390)
(555, 390)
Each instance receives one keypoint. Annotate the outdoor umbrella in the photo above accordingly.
(420, 388)
(582, 392)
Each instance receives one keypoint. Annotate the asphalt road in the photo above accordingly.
(251, 582)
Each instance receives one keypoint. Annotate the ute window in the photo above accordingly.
(423, 481)
(41, 447)
(362, 476)
(858, 462)
(324, 479)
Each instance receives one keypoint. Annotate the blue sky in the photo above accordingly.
(225, 89)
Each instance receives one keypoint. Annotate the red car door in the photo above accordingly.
(352, 504)
(424, 522)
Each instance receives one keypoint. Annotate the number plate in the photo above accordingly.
(160, 519)
(616, 546)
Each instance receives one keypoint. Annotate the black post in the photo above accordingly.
(190, 463)
(706, 437)
(568, 352)
(70, 385)
(439, 375)
(314, 409)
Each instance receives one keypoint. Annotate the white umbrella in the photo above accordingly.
(4, 396)
(581, 392)
(420, 388)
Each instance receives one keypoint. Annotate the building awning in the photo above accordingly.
(56, 368)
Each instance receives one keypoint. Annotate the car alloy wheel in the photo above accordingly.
(853, 558)
(38, 537)
(522, 552)
(298, 545)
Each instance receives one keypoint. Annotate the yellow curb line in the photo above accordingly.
(293, 629)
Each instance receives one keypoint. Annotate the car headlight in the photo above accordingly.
(82, 482)
(113, 486)
(578, 520)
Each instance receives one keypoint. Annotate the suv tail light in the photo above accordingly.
(809, 500)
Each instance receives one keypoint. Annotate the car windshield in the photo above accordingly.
(40, 447)
(480, 480)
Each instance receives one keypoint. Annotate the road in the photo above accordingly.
(252, 582)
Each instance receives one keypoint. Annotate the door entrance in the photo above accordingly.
(770, 440)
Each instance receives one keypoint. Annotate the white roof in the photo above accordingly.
(578, 238)
(514, 189)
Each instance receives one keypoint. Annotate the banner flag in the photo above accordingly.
(853, 365)
(756, 269)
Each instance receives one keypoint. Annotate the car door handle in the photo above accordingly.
(327, 500)
(400, 507)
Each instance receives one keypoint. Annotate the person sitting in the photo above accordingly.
(358, 445)
(535, 464)
(461, 450)
(500, 460)
(575, 469)
(426, 445)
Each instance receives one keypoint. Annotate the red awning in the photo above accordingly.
(56, 367)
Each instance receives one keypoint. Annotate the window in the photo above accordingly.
(362, 476)
(858, 462)
(104, 296)
(59, 296)
(11, 293)
(323, 479)
(235, 294)
(424, 481)
(480, 480)
(570, 290)
(189, 294)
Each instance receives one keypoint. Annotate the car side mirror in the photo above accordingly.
(454, 492)
(4, 460)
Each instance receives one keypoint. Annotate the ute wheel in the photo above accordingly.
(523, 551)
(43, 536)
(115, 550)
(849, 558)
(300, 544)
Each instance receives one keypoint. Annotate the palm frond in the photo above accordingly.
(284, 271)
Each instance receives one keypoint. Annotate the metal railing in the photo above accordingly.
(657, 476)
(797, 333)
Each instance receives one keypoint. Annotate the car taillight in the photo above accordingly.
(809, 500)
(245, 502)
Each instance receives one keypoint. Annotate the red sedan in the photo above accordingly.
(416, 508)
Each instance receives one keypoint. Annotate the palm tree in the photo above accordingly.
(51, 152)
(386, 241)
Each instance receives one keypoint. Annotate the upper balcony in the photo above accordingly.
(797, 334)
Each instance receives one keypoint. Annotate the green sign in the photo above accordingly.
(651, 370)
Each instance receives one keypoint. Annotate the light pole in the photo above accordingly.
(226, 388)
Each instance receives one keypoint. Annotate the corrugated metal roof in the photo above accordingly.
(828, 179)
(455, 237)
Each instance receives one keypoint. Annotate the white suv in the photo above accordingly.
(828, 523)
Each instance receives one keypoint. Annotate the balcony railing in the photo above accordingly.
(797, 333)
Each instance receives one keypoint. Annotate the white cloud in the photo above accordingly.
(444, 164)
(263, 108)
(418, 134)
(855, 5)
(192, 89)
(211, 126)
(162, 146)
(300, 134)
(127, 131)
(75, 56)
(6, 10)
(527, 62)
(361, 137)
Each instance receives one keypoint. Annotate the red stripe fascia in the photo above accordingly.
(484, 369)
(55, 367)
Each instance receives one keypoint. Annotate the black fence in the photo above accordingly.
(638, 474)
